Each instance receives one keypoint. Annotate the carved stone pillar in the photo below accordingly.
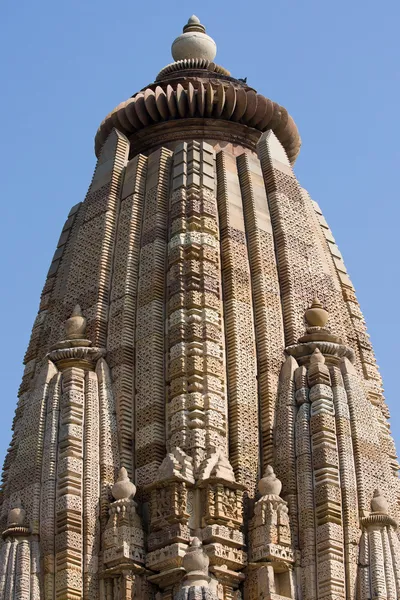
(76, 538)
(16, 577)
(123, 542)
(271, 556)
(379, 564)
(221, 521)
(169, 516)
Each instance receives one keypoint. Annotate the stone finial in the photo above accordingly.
(195, 558)
(195, 562)
(123, 488)
(379, 504)
(269, 485)
(16, 515)
(194, 42)
(316, 315)
(75, 326)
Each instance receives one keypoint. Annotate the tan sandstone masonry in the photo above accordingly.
(123, 306)
(197, 410)
(268, 319)
(150, 321)
(239, 326)
(180, 345)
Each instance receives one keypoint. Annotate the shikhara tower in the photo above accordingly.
(192, 421)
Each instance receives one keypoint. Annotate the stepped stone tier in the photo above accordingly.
(201, 414)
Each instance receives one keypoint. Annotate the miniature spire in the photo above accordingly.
(194, 42)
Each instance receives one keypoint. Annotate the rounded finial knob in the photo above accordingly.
(195, 558)
(194, 42)
(269, 485)
(123, 488)
(316, 315)
(75, 326)
(16, 515)
(379, 504)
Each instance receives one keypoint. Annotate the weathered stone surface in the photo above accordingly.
(181, 359)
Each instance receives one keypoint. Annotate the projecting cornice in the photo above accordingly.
(198, 95)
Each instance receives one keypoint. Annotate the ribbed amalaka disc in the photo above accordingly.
(260, 112)
(122, 116)
(181, 100)
(191, 96)
(241, 104)
(251, 106)
(150, 104)
(132, 114)
(219, 105)
(141, 109)
(171, 101)
(161, 102)
(209, 99)
(201, 99)
(275, 116)
(269, 109)
(230, 102)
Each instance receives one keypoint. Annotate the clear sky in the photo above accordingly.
(333, 65)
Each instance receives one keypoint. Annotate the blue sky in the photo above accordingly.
(333, 65)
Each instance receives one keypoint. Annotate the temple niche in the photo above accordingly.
(201, 415)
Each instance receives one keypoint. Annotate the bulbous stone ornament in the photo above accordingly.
(75, 326)
(195, 558)
(316, 315)
(16, 516)
(379, 504)
(194, 42)
(123, 488)
(269, 485)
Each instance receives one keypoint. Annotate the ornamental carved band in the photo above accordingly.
(201, 414)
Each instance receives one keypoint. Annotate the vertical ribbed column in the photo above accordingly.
(372, 468)
(48, 489)
(348, 480)
(197, 404)
(377, 564)
(266, 295)
(109, 454)
(150, 321)
(23, 572)
(303, 266)
(25, 472)
(89, 278)
(239, 326)
(121, 329)
(91, 488)
(284, 438)
(305, 488)
(327, 495)
(388, 562)
(394, 543)
(69, 540)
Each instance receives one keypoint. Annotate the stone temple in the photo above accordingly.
(201, 414)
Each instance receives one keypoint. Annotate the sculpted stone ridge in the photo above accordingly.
(201, 415)
(194, 87)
